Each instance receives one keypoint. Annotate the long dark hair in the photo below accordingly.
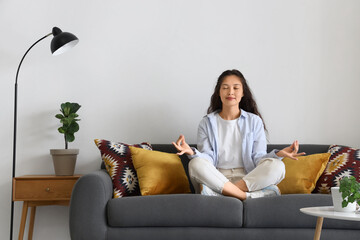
(247, 102)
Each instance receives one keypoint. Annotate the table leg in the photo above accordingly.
(319, 224)
(32, 219)
(23, 220)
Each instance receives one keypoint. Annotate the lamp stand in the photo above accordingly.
(61, 42)
(14, 136)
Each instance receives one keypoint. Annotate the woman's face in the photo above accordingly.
(231, 91)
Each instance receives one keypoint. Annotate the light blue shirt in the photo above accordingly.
(253, 140)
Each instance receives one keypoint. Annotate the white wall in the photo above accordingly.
(145, 70)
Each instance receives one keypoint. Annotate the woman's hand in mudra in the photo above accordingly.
(182, 146)
(291, 151)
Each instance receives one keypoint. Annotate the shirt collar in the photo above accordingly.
(244, 114)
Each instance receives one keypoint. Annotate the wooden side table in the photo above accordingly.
(41, 190)
(328, 212)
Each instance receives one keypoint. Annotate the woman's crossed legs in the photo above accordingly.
(235, 182)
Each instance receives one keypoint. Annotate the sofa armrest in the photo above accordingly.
(89, 199)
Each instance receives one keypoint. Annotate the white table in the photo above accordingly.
(328, 212)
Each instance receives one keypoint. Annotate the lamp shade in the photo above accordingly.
(62, 41)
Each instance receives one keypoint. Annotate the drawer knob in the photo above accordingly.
(47, 189)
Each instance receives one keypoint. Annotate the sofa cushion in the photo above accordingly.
(175, 210)
(344, 162)
(301, 175)
(116, 157)
(159, 172)
(284, 212)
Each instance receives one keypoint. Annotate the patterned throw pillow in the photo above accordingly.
(344, 162)
(119, 165)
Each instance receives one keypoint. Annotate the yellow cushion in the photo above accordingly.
(302, 174)
(159, 172)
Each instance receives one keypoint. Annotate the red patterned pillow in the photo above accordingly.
(118, 163)
(344, 162)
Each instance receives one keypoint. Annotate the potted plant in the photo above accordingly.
(347, 195)
(65, 159)
(350, 189)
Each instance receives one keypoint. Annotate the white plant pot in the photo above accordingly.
(64, 161)
(337, 201)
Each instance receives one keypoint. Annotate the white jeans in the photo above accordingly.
(269, 171)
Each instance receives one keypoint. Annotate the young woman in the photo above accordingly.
(231, 158)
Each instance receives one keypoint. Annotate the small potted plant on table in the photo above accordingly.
(65, 159)
(347, 195)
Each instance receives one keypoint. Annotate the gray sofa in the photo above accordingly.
(94, 214)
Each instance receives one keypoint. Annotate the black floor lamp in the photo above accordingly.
(61, 42)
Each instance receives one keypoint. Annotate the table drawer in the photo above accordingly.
(40, 189)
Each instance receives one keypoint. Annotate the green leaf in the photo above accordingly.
(59, 116)
(344, 195)
(70, 137)
(67, 111)
(75, 107)
(63, 105)
(61, 130)
(74, 127)
(73, 115)
(357, 195)
(66, 121)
